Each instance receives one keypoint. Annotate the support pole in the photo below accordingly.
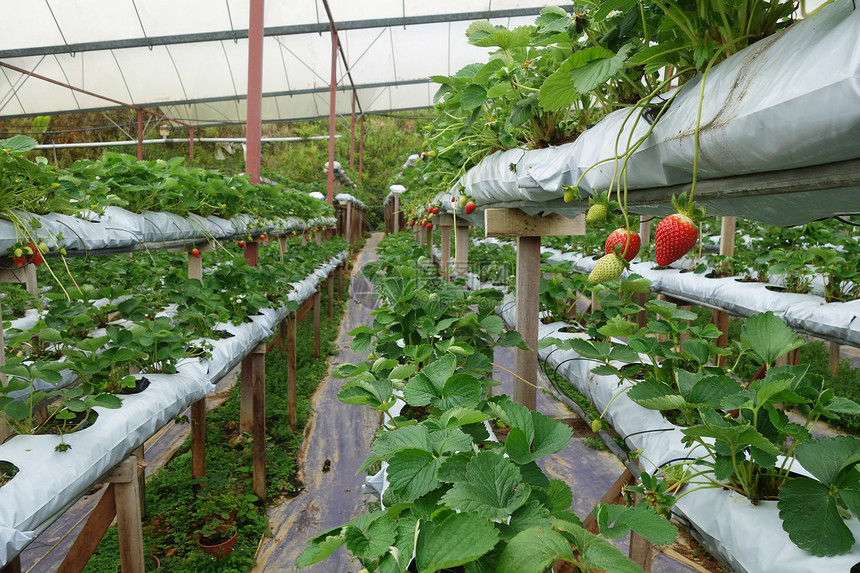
(352, 132)
(832, 363)
(446, 223)
(396, 213)
(198, 408)
(191, 142)
(330, 283)
(360, 147)
(127, 498)
(317, 305)
(528, 229)
(339, 283)
(5, 430)
(348, 215)
(292, 399)
(253, 128)
(528, 308)
(331, 118)
(461, 260)
(252, 412)
(91, 534)
(727, 248)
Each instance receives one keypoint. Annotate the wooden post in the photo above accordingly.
(396, 212)
(528, 308)
(348, 224)
(832, 363)
(528, 229)
(282, 245)
(292, 398)
(318, 237)
(339, 283)
(198, 438)
(317, 304)
(14, 566)
(251, 252)
(446, 223)
(430, 232)
(727, 247)
(91, 534)
(461, 259)
(127, 498)
(198, 408)
(330, 283)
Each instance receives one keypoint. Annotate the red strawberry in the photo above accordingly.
(429, 226)
(676, 234)
(470, 207)
(623, 241)
(19, 261)
(430, 209)
(241, 243)
(195, 253)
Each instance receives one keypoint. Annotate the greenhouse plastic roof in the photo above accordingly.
(190, 58)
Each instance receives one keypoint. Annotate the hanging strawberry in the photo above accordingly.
(470, 207)
(623, 242)
(607, 268)
(676, 234)
(598, 207)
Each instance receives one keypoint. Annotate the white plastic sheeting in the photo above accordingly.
(205, 82)
(121, 229)
(789, 101)
(65, 476)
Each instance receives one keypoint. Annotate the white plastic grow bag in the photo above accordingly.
(64, 476)
(791, 100)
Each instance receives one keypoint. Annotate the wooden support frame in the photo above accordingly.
(121, 499)
(317, 298)
(832, 362)
(330, 284)
(25, 275)
(252, 412)
(528, 229)
(720, 319)
(396, 213)
(461, 249)
(446, 224)
(292, 399)
(198, 438)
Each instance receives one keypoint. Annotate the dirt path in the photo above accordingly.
(337, 440)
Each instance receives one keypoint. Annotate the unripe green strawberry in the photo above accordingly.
(597, 212)
(18, 253)
(463, 200)
(607, 268)
(596, 425)
(569, 194)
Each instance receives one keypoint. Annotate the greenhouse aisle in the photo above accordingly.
(337, 441)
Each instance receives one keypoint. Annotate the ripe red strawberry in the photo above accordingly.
(470, 207)
(453, 199)
(676, 234)
(241, 243)
(195, 253)
(429, 226)
(19, 261)
(607, 268)
(430, 209)
(624, 242)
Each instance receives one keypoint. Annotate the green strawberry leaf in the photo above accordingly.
(457, 539)
(493, 488)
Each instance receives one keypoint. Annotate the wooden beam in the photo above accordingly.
(198, 438)
(292, 399)
(612, 496)
(91, 534)
(445, 263)
(258, 425)
(317, 299)
(515, 223)
(14, 566)
(128, 516)
(528, 309)
(832, 362)
(25, 275)
(330, 283)
(461, 251)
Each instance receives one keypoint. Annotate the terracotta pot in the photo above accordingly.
(219, 551)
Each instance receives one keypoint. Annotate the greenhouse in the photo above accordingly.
(524, 286)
